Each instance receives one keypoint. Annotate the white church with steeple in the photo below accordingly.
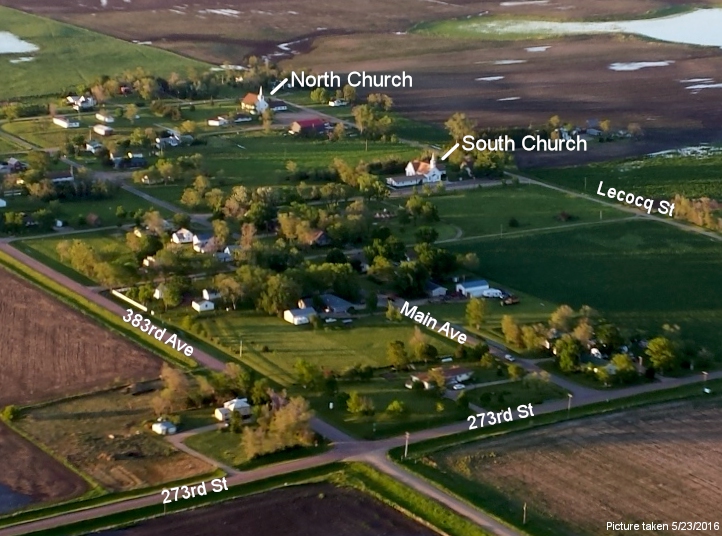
(255, 103)
(419, 172)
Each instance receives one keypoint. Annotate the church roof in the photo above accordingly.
(422, 168)
(250, 98)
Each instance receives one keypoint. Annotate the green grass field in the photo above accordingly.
(69, 56)
(227, 448)
(641, 274)
(485, 211)
(500, 397)
(422, 411)
(333, 346)
(652, 177)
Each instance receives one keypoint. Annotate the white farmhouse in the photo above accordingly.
(162, 427)
(472, 289)
(239, 405)
(182, 236)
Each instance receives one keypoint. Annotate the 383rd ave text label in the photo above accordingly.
(137, 320)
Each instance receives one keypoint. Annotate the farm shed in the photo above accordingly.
(103, 130)
(65, 122)
(298, 317)
(104, 117)
(239, 405)
(210, 294)
(164, 427)
(203, 305)
(434, 290)
(308, 126)
(472, 289)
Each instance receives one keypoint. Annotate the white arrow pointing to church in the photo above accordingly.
(448, 153)
(279, 86)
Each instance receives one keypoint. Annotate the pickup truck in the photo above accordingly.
(510, 300)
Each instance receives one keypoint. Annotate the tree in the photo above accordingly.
(462, 401)
(130, 113)
(154, 222)
(436, 376)
(308, 374)
(515, 371)
(221, 233)
(426, 352)
(396, 354)
(511, 331)
(392, 313)
(176, 387)
(583, 332)
(240, 379)
(259, 392)
(280, 293)
(488, 361)
(229, 288)
(561, 318)
(188, 127)
(267, 119)
(396, 407)
(605, 125)
(568, 352)
(475, 311)
(663, 354)
(349, 93)
(371, 302)
(458, 126)
(320, 95)
(426, 234)
(625, 371)
(360, 405)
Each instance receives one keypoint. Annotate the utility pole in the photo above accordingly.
(569, 404)
(406, 446)
(585, 184)
(240, 351)
(524, 520)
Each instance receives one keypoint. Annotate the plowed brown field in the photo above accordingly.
(660, 463)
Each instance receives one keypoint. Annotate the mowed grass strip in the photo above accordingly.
(641, 274)
(487, 211)
(69, 56)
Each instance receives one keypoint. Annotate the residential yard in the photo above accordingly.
(422, 409)
(640, 274)
(500, 397)
(69, 55)
(651, 177)
(489, 211)
(657, 462)
(104, 436)
(227, 447)
(273, 346)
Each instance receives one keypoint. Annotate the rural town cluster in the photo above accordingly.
(360, 268)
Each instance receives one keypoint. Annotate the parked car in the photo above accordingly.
(493, 293)
(510, 300)
(458, 386)
(337, 102)
(510, 358)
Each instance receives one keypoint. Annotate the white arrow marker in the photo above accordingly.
(279, 86)
(448, 153)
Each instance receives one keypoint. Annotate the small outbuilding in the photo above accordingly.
(3, 203)
(210, 294)
(103, 130)
(472, 289)
(163, 427)
(65, 122)
(105, 117)
(434, 290)
(299, 317)
(239, 405)
(203, 305)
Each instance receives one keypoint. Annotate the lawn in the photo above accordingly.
(513, 394)
(227, 448)
(273, 346)
(103, 435)
(652, 177)
(69, 56)
(641, 274)
(485, 211)
(422, 411)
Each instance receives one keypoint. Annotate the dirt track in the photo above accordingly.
(298, 511)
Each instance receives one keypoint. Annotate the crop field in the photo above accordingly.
(332, 346)
(67, 56)
(656, 463)
(107, 440)
(659, 177)
(49, 350)
(29, 475)
(641, 274)
(304, 510)
(489, 211)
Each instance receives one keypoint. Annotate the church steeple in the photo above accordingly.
(432, 163)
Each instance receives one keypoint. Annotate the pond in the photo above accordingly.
(701, 27)
(12, 44)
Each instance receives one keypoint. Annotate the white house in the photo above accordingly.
(472, 289)
(104, 117)
(199, 238)
(159, 292)
(103, 130)
(81, 102)
(182, 236)
(298, 317)
(93, 146)
(239, 405)
(164, 427)
(65, 122)
(453, 374)
(217, 121)
(3, 203)
(434, 291)
(207, 247)
(203, 306)
(211, 294)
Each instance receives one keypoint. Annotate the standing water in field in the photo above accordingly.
(700, 27)
(12, 44)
